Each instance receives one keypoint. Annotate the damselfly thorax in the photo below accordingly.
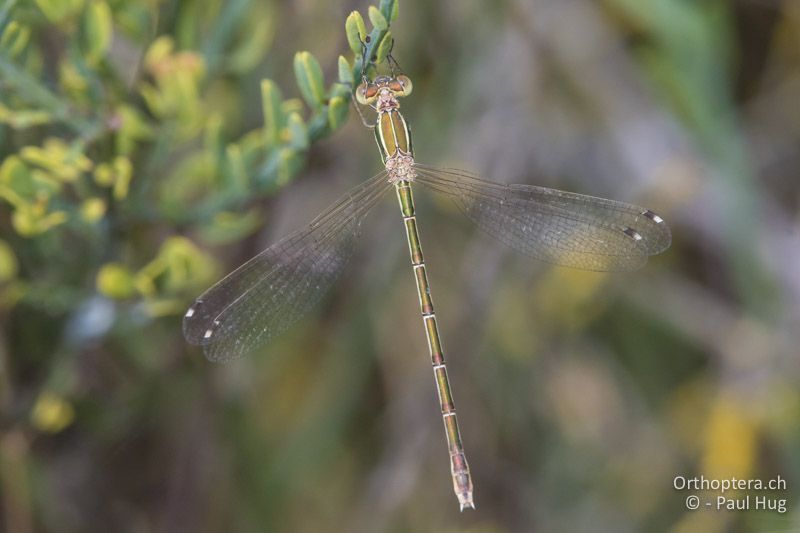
(391, 129)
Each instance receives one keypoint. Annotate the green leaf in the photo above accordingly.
(15, 38)
(32, 220)
(23, 118)
(377, 18)
(339, 89)
(356, 31)
(292, 105)
(93, 209)
(116, 174)
(133, 129)
(22, 186)
(256, 38)
(52, 413)
(288, 165)
(115, 281)
(345, 72)
(58, 10)
(194, 177)
(227, 227)
(65, 162)
(136, 19)
(309, 79)
(213, 138)
(123, 172)
(384, 48)
(8, 263)
(337, 112)
(237, 170)
(252, 145)
(97, 28)
(298, 133)
(389, 9)
(178, 265)
(318, 125)
(271, 106)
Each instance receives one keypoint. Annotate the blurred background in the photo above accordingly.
(142, 160)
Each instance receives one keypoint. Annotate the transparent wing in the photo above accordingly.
(558, 227)
(264, 296)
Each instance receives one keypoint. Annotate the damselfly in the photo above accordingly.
(264, 296)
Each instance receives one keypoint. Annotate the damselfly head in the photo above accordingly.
(368, 92)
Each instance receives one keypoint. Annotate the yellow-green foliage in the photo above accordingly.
(122, 128)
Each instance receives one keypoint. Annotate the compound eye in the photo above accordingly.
(366, 93)
(405, 83)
